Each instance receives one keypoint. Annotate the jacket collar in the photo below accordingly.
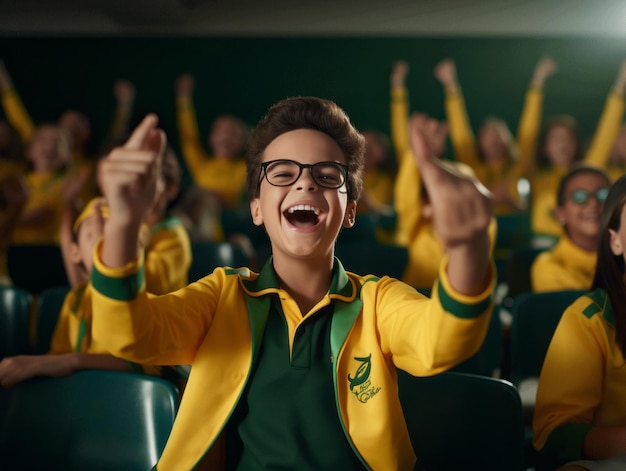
(341, 286)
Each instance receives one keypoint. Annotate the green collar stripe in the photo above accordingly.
(258, 311)
(344, 317)
(244, 272)
(600, 304)
(341, 287)
(82, 329)
(458, 309)
(120, 289)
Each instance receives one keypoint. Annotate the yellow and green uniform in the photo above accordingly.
(224, 176)
(20, 119)
(218, 323)
(509, 169)
(565, 266)
(72, 333)
(168, 256)
(45, 192)
(583, 380)
(545, 182)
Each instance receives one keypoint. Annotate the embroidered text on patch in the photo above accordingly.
(361, 385)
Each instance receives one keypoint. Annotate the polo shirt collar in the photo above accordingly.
(341, 286)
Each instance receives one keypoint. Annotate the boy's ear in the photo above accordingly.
(74, 253)
(615, 243)
(350, 216)
(255, 210)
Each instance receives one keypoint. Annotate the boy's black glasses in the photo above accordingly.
(286, 172)
(583, 196)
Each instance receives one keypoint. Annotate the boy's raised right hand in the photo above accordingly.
(130, 181)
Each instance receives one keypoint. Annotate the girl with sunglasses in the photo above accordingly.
(571, 262)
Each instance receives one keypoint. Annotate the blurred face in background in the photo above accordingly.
(560, 146)
(49, 149)
(227, 137)
(492, 140)
(77, 126)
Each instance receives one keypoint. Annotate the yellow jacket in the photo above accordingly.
(45, 193)
(216, 325)
(168, 256)
(582, 382)
(565, 266)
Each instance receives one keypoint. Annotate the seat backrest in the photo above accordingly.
(373, 258)
(49, 305)
(206, 256)
(36, 267)
(535, 317)
(518, 268)
(513, 231)
(96, 420)
(487, 361)
(463, 421)
(14, 321)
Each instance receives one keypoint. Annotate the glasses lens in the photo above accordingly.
(583, 196)
(580, 196)
(601, 194)
(328, 174)
(282, 172)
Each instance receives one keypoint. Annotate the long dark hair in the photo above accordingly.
(609, 267)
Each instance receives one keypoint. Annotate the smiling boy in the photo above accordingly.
(295, 365)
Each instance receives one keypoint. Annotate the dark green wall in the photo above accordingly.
(245, 75)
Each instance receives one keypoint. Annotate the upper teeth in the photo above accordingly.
(304, 207)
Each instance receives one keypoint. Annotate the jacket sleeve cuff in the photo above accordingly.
(122, 283)
(462, 305)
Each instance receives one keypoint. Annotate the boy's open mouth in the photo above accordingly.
(302, 215)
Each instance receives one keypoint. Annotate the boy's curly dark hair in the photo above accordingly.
(307, 113)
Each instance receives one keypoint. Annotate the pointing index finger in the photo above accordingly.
(138, 138)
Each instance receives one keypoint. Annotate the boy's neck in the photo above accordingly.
(307, 281)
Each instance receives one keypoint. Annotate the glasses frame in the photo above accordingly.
(301, 167)
(600, 195)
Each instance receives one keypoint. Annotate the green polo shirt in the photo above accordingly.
(287, 417)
